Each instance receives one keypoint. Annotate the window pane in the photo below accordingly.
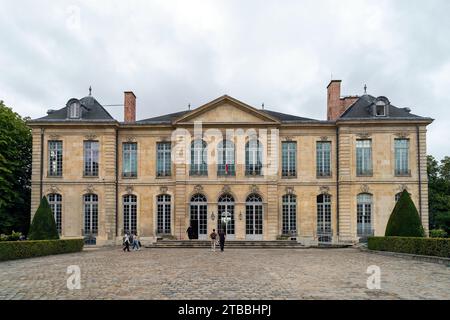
(130, 159)
(401, 156)
(91, 158)
(364, 157)
(323, 159)
(288, 159)
(163, 166)
(55, 158)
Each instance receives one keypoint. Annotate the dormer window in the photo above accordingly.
(380, 109)
(74, 109)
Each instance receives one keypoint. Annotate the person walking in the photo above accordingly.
(221, 239)
(213, 237)
(126, 243)
(135, 242)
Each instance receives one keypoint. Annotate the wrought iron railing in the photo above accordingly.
(223, 170)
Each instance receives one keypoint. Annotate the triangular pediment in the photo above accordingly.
(226, 110)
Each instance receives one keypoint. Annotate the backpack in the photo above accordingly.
(213, 235)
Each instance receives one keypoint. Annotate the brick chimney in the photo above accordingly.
(335, 104)
(129, 107)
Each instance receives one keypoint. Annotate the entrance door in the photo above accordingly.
(199, 216)
(254, 218)
(226, 205)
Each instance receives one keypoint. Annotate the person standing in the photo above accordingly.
(213, 237)
(189, 232)
(126, 243)
(221, 239)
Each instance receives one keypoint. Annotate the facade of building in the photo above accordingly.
(259, 174)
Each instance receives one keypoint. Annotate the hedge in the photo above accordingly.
(438, 247)
(10, 250)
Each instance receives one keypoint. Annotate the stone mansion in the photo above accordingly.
(256, 173)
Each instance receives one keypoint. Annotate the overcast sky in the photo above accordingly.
(172, 53)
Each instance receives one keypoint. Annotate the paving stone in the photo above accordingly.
(109, 273)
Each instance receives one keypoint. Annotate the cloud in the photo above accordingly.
(172, 53)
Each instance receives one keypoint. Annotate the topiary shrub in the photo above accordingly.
(43, 226)
(404, 220)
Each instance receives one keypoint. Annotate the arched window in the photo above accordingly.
(163, 214)
(55, 202)
(199, 216)
(289, 203)
(364, 214)
(225, 161)
(199, 164)
(225, 209)
(254, 217)
(130, 213)
(90, 214)
(324, 231)
(253, 157)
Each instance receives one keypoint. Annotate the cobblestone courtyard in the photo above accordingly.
(235, 274)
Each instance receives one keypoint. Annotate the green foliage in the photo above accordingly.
(15, 171)
(439, 193)
(10, 250)
(43, 226)
(438, 233)
(442, 221)
(404, 220)
(421, 246)
(14, 236)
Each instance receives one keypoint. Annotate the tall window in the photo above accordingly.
(199, 164)
(288, 159)
(323, 159)
(254, 217)
(199, 216)
(130, 159)
(91, 158)
(55, 202)
(90, 214)
(163, 218)
(163, 165)
(364, 157)
(253, 157)
(364, 214)
(289, 214)
(225, 155)
(401, 156)
(225, 209)
(55, 158)
(130, 213)
(324, 231)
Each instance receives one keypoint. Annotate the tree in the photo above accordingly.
(43, 226)
(15, 171)
(404, 220)
(439, 193)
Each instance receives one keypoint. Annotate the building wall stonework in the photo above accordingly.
(343, 185)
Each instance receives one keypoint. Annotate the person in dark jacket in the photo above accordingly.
(189, 232)
(221, 239)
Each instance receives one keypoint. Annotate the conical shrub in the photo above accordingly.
(43, 226)
(404, 220)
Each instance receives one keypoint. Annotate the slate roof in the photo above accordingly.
(168, 118)
(362, 109)
(92, 111)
